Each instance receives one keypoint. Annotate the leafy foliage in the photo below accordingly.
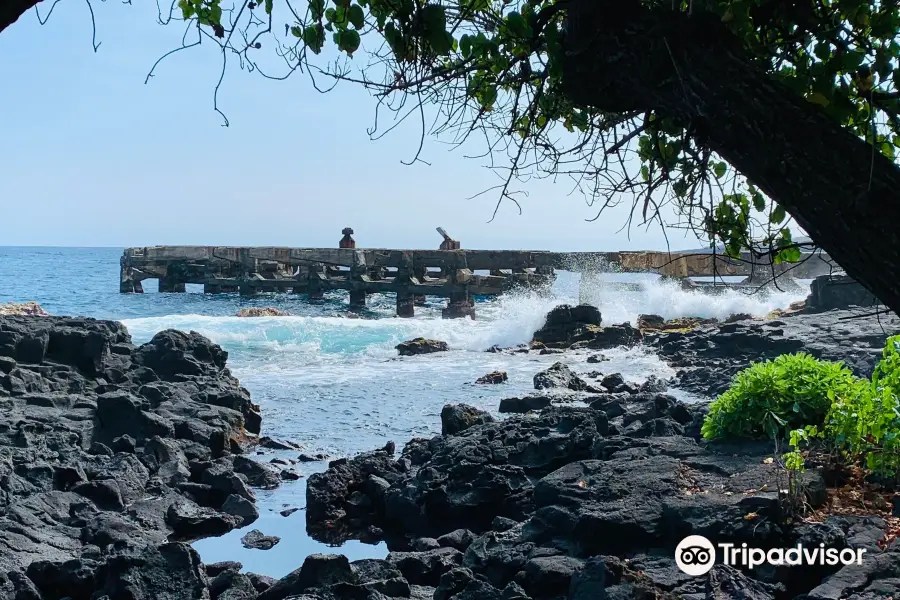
(867, 423)
(772, 398)
(809, 400)
(493, 67)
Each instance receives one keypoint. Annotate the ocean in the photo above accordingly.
(335, 384)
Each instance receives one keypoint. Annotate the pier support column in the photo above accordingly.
(170, 284)
(405, 300)
(359, 277)
(127, 283)
(315, 288)
(130, 286)
(460, 305)
(357, 298)
(405, 305)
(212, 288)
(419, 300)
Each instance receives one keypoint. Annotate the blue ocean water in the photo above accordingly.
(334, 384)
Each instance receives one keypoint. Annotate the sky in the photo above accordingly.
(93, 156)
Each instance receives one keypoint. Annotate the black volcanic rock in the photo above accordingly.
(108, 452)
(709, 357)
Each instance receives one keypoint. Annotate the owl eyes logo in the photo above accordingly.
(695, 555)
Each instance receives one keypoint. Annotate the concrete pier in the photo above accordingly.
(451, 273)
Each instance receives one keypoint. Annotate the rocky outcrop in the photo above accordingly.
(421, 346)
(580, 327)
(456, 418)
(566, 325)
(710, 356)
(560, 376)
(24, 309)
(838, 291)
(547, 506)
(109, 452)
(525, 404)
(262, 312)
(344, 501)
(655, 323)
(493, 378)
(257, 540)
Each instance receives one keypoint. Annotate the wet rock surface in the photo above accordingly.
(112, 454)
(257, 540)
(580, 327)
(493, 378)
(421, 346)
(267, 311)
(708, 357)
(561, 376)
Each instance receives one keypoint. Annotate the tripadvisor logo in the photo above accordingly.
(695, 555)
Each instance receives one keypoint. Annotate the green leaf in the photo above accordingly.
(777, 215)
(759, 203)
(317, 9)
(818, 98)
(580, 119)
(789, 255)
(314, 37)
(269, 6)
(187, 9)
(434, 18)
(473, 6)
(340, 17)
(823, 50)
(296, 32)
(442, 43)
(356, 16)
(465, 46)
(330, 15)
(851, 61)
(516, 24)
(347, 41)
(719, 169)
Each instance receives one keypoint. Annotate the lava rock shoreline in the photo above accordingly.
(113, 456)
(584, 502)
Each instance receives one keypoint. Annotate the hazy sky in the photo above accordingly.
(91, 156)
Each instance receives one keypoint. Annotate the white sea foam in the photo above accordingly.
(507, 321)
(669, 300)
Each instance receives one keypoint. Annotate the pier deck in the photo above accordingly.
(412, 274)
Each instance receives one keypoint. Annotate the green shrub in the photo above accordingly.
(769, 399)
(866, 422)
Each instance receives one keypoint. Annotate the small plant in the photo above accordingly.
(772, 398)
(793, 494)
(865, 420)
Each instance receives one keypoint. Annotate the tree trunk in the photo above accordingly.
(11, 10)
(623, 56)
